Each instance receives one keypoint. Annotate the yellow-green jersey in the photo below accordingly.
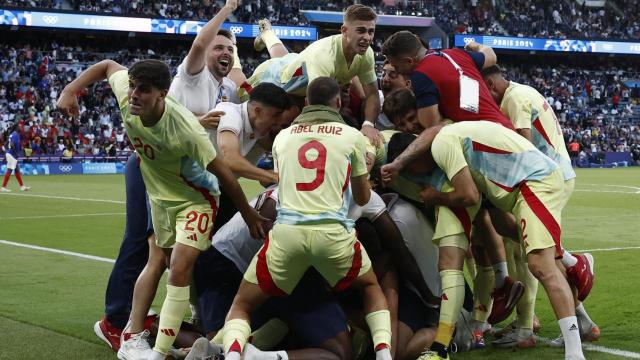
(174, 152)
(498, 158)
(315, 159)
(405, 184)
(324, 57)
(528, 109)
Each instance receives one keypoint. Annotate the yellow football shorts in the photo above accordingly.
(537, 211)
(290, 250)
(188, 223)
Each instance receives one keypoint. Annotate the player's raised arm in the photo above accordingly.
(68, 102)
(490, 57)
(196, 59)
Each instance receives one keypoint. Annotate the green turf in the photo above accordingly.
(52, 300)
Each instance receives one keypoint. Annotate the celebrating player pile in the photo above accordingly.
(476, 165)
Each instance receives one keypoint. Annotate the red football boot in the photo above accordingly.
(581, 275)
(505, 300)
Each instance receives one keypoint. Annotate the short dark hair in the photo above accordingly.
(270, 94)
(398, 143)
(322, 90)
(398, 103)
(491, 70)
(402, 43)
(151, 72)
(226, 33)
(359, 12)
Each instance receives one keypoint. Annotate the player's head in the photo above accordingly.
(324, 91)
(391, 79)
(220, 54)
(496, 82)
(398, 144)
(403, 50)
(149, 82)
(296, 103)
(358, 28)
(400, 108)
(267, 103)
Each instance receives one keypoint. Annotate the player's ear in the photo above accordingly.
(343, 29)
(163, 93)
(489, 81)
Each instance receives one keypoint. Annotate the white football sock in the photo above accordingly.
(501, 272)
(383, 354)
(571, 335)
(568, 260)
(253, 353)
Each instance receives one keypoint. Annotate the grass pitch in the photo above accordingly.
(49, 301)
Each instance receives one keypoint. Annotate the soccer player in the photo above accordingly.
(13, 150)
(534, 119)
(341, 57)
(232, 251)
(174, 152)
(390, 81)
(316, 159)
(484, 157)
(448, 84)
(200, 84)
(400, 108)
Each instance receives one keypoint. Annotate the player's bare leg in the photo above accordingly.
(267, 39)
(146, 286)
(543, 267)
(236, 328)
(410, 344)
(176, 302)
(377, 313)
(134, 337)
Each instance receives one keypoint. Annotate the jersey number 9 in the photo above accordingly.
(318, 164)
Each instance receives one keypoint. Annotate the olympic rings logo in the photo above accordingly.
(50, 19)
(65, 168)
(468, 40)
(236, 29)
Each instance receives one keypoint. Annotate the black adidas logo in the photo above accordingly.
(573, 327)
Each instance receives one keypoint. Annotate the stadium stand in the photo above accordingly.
(534, 18)
(595, 107)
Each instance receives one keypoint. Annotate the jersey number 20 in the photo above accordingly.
(318, 164)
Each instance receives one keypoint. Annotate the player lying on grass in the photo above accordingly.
(487, 158)
(174, 151)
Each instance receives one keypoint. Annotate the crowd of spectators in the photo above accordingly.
(593, 106)
(533, 18)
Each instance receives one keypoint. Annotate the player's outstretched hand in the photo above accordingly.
(211, 119)
(428, 195)
(256, 222)
(68, 104)
(373, 135)
(472, 46)
(388, 172)
(232, 4)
